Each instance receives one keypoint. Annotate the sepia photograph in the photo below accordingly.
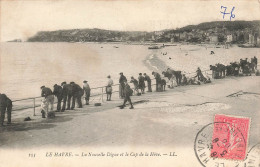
(129, 83)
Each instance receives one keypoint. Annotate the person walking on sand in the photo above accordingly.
(87, 90)
(122, 79)
(57, 91)
(66, 95)
(149, 83)
(128, 92)
(5, 106)
(77, 93)
(109, 89)
(141, 82)
(48, 95)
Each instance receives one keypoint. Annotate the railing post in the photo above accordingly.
(33, 106)
(102, 95)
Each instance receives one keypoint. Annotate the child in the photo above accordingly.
(44, 108)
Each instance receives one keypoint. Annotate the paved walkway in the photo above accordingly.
(165, 117)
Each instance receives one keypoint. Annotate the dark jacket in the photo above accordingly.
(147, 78)
(76, 89)
(57, 91)
(3, 100)
(134, 81)
(128, 91)
(67, 90)
(46, 92)
(122, 79)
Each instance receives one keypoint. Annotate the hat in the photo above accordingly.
(55, 85)
(108, 76)
(72, 82)
(140, 73)
(120, 73)
(63, 83)
(144, 73)
(132, 77)
(85, 81)
(42, 87)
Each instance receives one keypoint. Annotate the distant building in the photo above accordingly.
(229, 38)
(213, 39)
(251, 39)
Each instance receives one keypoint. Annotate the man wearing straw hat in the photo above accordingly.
(109, 88)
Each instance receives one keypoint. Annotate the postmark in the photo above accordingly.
(223, 143)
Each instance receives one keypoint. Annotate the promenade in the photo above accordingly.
(167, 118)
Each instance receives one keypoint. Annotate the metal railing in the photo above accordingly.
(97, 91)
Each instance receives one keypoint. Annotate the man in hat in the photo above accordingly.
(77, 93)
(158, 81)
(135, 82)
(57, 91)
(48, 95)
(141, 82)
(109, 89)
(148, 79)
(122, 79)
(86, 89)
(66, 95)
(128, 92)
(5, 105)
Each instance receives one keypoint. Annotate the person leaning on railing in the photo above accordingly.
(5, 105)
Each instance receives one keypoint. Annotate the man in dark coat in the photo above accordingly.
(141, 82)
(5, 105)
(77, 93)
(128, 92)
(57, 91)
(149, 83)
(158, 81)
(122, 79)
(66, 95)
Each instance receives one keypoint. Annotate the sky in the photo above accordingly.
(24, 18)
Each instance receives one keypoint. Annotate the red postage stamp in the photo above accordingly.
(230, 136)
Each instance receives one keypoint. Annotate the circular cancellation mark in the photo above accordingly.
(204, 144)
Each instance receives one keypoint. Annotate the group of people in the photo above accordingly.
(243, 67)
(70, 93)
(66, 93)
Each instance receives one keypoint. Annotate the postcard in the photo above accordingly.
(129, 83)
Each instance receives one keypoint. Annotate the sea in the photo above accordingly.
(25, 67)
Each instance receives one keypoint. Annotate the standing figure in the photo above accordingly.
(86, 89)
(47, 94)
(149, 83)
(57, 91)
(135, 82)
(77, 93)
(109, 89)
(158, 81)
(122, 79)
(163, 84)
(5, 105)
(128, 92)
(141, 82)
(66, 95)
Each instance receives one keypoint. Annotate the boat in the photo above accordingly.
(154, 47)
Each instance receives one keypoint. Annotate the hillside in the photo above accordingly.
(198, 32)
